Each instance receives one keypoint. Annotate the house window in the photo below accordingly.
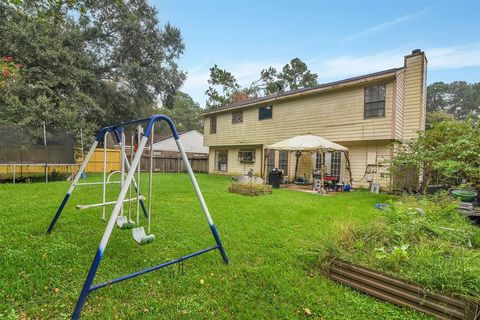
(283, 161)
(213, 124)
(265, 113)
(374, 101)
(221, 160)
(271, 161)
(246, 156)
(237, 117)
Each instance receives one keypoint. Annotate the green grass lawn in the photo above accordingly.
(273, 242)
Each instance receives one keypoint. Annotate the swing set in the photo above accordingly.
(127, 180)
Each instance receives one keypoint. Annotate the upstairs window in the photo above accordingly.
(246, 156)
(374, 101)
(265, 113)
(213, 124)
(237, 117)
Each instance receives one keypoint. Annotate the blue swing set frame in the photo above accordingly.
(117, 130)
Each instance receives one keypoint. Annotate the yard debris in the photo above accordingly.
(307, 311)
(202, 281)
(56, 290)
(250, 189)
(466, 208)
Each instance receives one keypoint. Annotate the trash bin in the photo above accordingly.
(274, 178)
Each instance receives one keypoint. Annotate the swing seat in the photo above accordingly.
(141, 237)
(123, 223)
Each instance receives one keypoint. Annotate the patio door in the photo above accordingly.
(271, 161)
(336, 164)
(283, 161)
(319, 160)
(332, 162)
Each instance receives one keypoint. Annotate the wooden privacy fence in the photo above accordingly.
(173, 164)
(170, 162)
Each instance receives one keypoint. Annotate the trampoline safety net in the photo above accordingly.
(20, 146)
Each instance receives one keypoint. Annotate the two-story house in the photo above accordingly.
(366, 114)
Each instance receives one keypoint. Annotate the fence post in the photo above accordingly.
(14, 169)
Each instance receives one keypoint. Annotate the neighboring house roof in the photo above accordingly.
(192, 141)
(310, 90)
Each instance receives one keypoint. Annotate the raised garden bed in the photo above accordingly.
(424, 241)
(403, 293)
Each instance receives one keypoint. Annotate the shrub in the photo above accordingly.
(250, 189)
(448, 153)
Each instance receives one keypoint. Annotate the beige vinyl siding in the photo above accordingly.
(358, 153)
(234, 165)
(399, 106)
(424, 102)
(335, 115)
(414, 96)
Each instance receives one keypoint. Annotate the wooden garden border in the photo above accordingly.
(401, 293)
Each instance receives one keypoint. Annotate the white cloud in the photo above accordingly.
(454, 57)
(345, 66)
(385, 25)
(378, 27)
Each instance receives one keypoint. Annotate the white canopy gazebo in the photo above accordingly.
(311, 144)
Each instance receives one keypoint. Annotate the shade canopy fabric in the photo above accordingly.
(307, 142)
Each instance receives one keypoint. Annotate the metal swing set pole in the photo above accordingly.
(87, 287)
(100, 137)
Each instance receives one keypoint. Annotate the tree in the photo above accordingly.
(85, 64)
(295, 75)
(129, 48)
(185, 112)
(458, 98)
(55, 83)
(221, 79)
(434, 117)
(224, 89)
(449, 152)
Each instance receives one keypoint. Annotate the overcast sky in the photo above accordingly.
(337, 39)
